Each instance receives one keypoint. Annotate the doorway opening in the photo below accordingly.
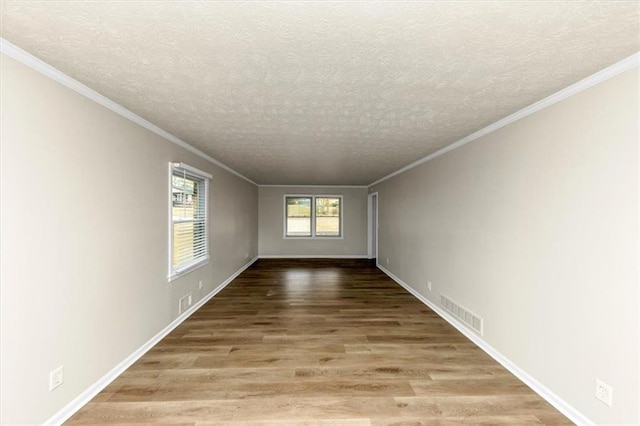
(372, 226)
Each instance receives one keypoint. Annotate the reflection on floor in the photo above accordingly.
(316, 342)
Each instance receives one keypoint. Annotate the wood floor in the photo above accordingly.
(316, 342)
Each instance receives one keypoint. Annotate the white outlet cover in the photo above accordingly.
(56, 378)
(604, 393)
(429, 285)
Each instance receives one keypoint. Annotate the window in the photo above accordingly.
(328, 216)
(188, 236)
(299, 216)
(309, 216)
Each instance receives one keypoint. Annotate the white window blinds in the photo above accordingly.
(189, 211)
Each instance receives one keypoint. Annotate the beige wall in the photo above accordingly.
(84, 240)
(535, 228)
(271, 227)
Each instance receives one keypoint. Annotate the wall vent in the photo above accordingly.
(465, 316)
(184, 303)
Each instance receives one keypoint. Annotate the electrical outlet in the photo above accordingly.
(429, 285)
(56, 378)
(387, 261)
(200, 285)
(189, 299)
(604, 393)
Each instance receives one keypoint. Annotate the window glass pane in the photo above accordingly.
(328, 217)
(188, 214)
(298, 216)
(184, 198)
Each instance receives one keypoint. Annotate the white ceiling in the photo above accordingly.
(324, 92)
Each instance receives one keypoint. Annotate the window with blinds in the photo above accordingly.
(189, 243)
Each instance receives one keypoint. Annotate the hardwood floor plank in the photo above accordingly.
(301, 422)
(316, 342)
(454, 421)
(479, 387)
(249, 410)
(231, 389)
(219, 375)
(482, 406)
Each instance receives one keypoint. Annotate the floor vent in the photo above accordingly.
(467, 317)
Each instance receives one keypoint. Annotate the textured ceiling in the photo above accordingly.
(323, 92)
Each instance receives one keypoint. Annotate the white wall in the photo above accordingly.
(272, 243)
(84, 240)
(535, 228)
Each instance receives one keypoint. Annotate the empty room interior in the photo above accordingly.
(320, 213)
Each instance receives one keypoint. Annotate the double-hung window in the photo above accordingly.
(188, 234)
(311, 216)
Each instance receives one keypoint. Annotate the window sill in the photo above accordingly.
(185, 270)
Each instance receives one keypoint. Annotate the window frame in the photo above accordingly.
(179, 270)
(313, 235)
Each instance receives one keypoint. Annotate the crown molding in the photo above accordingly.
(36, 64)
(603, 75)
(314, 186)
(55, 74)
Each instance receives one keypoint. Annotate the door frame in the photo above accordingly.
(370, 225)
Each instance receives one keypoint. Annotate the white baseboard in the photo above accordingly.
(313, 256)
(553, 399)
(76, 404)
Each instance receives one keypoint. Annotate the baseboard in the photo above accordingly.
(313, 256)
(553, 399)
(81, 400)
